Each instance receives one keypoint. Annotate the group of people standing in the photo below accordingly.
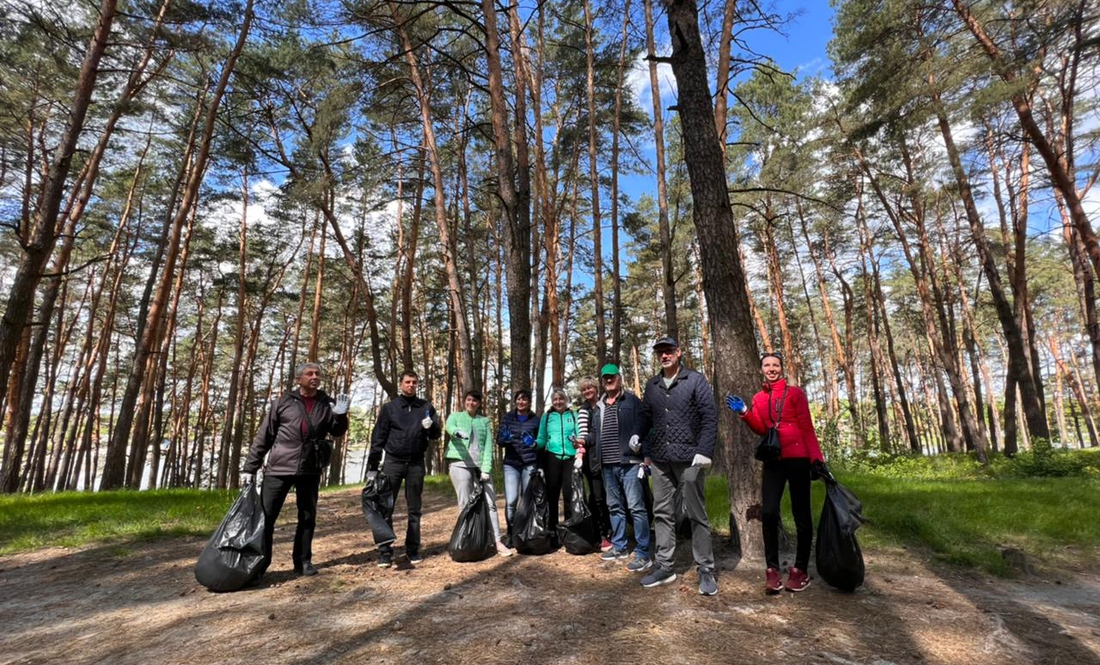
(617, 440)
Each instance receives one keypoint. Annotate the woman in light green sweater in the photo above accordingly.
(470, 458)
(557, 434)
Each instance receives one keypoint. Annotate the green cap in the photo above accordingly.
(610, 369)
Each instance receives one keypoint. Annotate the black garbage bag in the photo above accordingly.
(235, 553)
(531, 523)
(839, 558)
(580, 534)
(378, 508)
(472, 538)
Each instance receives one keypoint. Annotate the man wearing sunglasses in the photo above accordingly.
(679, 430)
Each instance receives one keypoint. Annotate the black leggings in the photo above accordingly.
(559, 483)
(795, 471)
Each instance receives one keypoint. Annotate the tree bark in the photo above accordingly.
(723, 276)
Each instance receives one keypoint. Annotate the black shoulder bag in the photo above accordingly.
(319, 449)
(767, 448)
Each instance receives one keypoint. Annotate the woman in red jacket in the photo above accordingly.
(799, 458)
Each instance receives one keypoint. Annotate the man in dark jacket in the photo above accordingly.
(613, 448)
(405, 426)
(295, 424)
(679, 429)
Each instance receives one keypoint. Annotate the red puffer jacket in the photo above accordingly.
(796, 429)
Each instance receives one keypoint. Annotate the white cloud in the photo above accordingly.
(638, 81)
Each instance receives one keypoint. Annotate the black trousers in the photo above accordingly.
(559, 483)
(411, 473)
(273, 495)
(777, 474)
(597, 500)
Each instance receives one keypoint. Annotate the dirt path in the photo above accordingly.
(139, 603)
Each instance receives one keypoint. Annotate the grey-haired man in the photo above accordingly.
(294, 423)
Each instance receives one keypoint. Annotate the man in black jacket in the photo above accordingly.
(405, 426)
(679, 430)
(613, 443)
(295, 424)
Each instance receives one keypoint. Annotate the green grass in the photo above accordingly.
(963, 521)
(71, 519)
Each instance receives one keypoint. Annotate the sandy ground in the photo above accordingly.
(139, 603)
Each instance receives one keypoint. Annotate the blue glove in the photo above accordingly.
(736, 404)
(506, 435)
(528, 440)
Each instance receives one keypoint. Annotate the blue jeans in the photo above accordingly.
(624, 491)
(515, 484)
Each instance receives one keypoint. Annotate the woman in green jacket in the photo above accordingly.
(557, 432)
(470, 458)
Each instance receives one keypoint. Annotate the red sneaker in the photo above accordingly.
(774, 583)
(605, 545)
(797, 580)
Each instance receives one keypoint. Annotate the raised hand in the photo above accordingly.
(340, 406)
(736, 404)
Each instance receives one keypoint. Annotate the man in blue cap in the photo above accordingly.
(614, 450)
(679, 430)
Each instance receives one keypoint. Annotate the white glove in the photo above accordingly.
(340, 406)
(462, 434)
(371, 475)
(427, 422)
(578, 463)
(485, 477)
(700, 460)
(247, 478)
(634, 444)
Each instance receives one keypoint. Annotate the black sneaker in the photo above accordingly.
(658, 577)
(639, 563)
(615, 555)
(708, 586)
(416, 557)
(385, 559)
(306, 569)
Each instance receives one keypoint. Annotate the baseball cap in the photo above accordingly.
(610, 369)
(666, 341)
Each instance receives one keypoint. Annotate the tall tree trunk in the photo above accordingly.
(1061, 175)
(616, 121)
(723, 276)
(44, 233)
(114, 469)
(594, 182)
(1017, 352)
(668, 280)
(456, 291)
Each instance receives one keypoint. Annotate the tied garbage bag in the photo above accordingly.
(472, 538)
(839, 558)
(532, 519)
(580, 534)
(235, 553)
(378, 508)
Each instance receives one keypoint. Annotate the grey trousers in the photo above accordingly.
(669, 478)
(463, 479)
